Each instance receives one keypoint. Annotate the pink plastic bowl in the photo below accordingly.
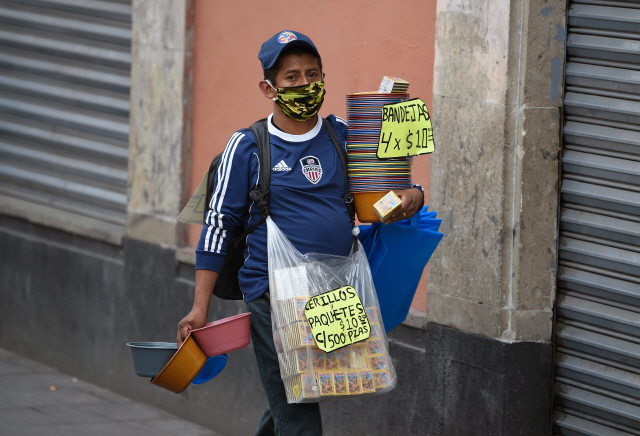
(224, 335)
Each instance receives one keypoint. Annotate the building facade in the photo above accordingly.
(111, 112)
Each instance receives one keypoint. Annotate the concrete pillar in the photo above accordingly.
(494, 181)
(160, 118)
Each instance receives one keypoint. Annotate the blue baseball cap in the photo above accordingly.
(271, 49)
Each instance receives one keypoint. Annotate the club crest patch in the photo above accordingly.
(311, 168)
(286, 37)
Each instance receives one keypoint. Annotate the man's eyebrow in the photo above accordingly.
(297, 70)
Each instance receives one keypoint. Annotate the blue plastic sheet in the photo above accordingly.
(397, 256)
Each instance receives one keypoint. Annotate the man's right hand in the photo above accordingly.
(205, 281)
(194, 320)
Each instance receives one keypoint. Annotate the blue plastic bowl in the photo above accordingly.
(149, 358)
(212, 367)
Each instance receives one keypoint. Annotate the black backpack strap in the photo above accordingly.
(261, 132)
(260, 195)
(348, 198)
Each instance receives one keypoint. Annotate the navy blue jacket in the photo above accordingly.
(307, 189)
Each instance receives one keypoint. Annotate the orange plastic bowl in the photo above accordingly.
(223, 336)
(182, 368)
(364, 202)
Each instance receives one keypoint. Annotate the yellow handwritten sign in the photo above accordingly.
(193, 212)
(337, 318)
(406, 130)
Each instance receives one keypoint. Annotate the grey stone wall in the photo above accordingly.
(480, 386)
(494, 181)
(159, 140)
(494, 174)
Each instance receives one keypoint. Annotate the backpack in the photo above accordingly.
(227, 285)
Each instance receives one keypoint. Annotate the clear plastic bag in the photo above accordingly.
(339, 296)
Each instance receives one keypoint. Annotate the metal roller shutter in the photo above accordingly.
(64, 104)
(597, 371)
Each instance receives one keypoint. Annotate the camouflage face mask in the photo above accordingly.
(301, 103)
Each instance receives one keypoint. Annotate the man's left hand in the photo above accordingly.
(412, 201)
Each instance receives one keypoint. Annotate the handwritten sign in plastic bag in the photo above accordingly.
(337, 318)
(327, 347)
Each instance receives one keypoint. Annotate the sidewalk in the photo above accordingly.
(36, 400)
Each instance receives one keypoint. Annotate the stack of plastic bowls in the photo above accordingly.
(370, 178)
(200, 358)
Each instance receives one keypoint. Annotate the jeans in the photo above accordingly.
(280, 418)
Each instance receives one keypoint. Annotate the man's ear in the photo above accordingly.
(267, 90)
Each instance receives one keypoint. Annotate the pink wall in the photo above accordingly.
(359, 41)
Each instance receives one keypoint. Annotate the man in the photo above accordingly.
(306, 202)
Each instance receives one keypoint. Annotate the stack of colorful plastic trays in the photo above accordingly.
(371, 178)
